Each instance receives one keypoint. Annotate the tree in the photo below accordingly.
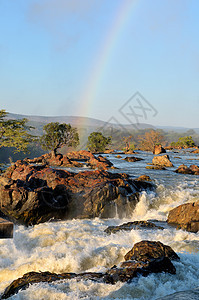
(184, 142)
(57, 135)
(14, 133)
(97, 142)
(150, 139)
(127, 141)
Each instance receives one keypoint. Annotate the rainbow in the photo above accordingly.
(101, 59)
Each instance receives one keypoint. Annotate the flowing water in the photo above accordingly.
(82, 245)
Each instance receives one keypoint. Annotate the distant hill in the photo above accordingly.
(73, 120)
(91, 124)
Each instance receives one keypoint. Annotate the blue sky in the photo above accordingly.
(50, 51)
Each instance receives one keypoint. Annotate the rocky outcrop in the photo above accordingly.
(109, 151)
(163, 161)
(132, 158)
(32, 194)
(129, 152)
(185, 216)
(195, 151)
(158, 149)
(144, 258)
(147, 250)
(184, 295)
(143, 178)
(193, 169)
(132, 225)
(152, 167)
(73, 159)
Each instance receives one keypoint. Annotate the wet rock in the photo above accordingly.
(131, 269)
(109, 151)
(158, 149)
(6, 229)
(163, 161)
(73, 159)
(186, 216)
(33, 277)
(33, 194)
(147, 250)
(118, 156)
(101, 160)
(193, 169)
(143, 178)
(129, 152)
(183, 295)
(155, 167)
(132, 225)
(195, 151)
(132, 158)
(143, 262)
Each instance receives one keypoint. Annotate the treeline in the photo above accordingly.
(141, 139)
(19, 140)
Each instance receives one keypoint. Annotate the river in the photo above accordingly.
(82, 245)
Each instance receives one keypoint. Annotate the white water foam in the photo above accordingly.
(82, 245)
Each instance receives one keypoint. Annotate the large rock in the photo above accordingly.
(147, 250)
(148, 257)
(32, 194)
(73, 159)
(144, 258)
(163, 161)
(193, 169)
(186, 216)
(158, 149)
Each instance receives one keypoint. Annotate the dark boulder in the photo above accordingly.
(132, 158)
(147, 250)
(152, 167)
(32, 194)
(132, 225)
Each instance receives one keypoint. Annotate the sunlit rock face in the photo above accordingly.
(33, 194)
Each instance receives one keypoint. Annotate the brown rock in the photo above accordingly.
(195, 151)
(155, 168)
(143, 178)
(109, 151)
(73, 159)
(132, 225)
(144, 262)
(186, 216)
(162, 161)
(147, 250)
(132, 158)
(158, 149)
(193, 169)
(129, 152)
(33, 194)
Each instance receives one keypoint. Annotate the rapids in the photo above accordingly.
(82, 245)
